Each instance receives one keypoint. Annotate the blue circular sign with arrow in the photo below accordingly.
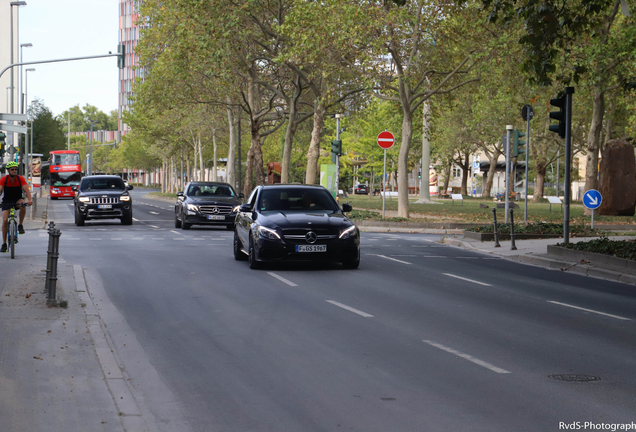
(592, 199)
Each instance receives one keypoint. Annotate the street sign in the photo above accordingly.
(13, 117)
(592, 199)
(527, 113)
(13, 128)
(476, 167)
(386, 140)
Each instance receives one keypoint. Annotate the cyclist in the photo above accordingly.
(12, 186)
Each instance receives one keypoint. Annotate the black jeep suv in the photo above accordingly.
(103, 197)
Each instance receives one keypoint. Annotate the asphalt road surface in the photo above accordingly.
(422, 337)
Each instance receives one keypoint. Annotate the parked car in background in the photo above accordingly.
(103, 197)
(206, 203)
(295, 223)
(361, 190)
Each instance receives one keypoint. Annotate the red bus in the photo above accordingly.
(66, 171)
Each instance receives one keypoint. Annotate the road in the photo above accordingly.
(422, 337)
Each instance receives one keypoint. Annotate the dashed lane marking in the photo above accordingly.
(350, 309)
(393, 259)
(589, 310)
(467, 280)
(282, 279)
(467, 357)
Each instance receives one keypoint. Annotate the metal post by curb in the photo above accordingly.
(49, 253)
(513, 246)
(494, 218)
(52, 279)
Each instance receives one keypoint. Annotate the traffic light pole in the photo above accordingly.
(337, 159)
(525, 211)
(508, 131)
(569, 91)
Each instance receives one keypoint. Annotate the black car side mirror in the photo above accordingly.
(179, 194)
(346, 208)
(129, 187)
(245, 208)
(74, 188)
(241, 196)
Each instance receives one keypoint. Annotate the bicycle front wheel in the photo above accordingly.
(13, 234)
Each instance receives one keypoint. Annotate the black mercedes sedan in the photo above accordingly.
(295, 223)
(103, 197)
(206, 203)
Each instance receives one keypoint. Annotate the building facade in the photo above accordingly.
(128, 36)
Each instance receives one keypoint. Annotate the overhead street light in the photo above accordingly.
(14, 3)
(30, 152)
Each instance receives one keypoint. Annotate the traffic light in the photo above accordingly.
(560, 116)
(2, 143)
(336, 149)
(517, 144)
(121, 59)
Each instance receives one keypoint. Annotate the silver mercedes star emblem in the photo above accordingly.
(215, 210)
(311, 237)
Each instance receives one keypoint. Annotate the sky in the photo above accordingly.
(61, 29)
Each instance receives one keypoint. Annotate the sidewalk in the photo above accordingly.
(57, 370)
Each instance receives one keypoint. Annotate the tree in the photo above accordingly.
(47, 134)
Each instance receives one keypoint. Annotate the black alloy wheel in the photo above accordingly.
(79, 219)
(177, 222)
(184, 224)
(252, 256)
(238, 253)
(127, 219)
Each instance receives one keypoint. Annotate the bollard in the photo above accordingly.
(55, 236)
(494, 218)
(513, 246)
(49, 253)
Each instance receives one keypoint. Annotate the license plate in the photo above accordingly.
(105, 206)
(216, 217)
(311, 248)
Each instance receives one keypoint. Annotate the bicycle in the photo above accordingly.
(12, 237)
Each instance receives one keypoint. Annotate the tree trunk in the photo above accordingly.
(541, 166)
(425, 192)
(214, 166)
(314, 147)
(491, 175)
(230, 176)
(249, 171)
(447, 174)
(403, 159)
(593, 140)
(201, 157)
(291, 131)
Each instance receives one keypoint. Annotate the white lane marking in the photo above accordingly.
(178, 238)
(466, 279)
(393, 259)
(404, 255)
(466, 257)
(590, 310)
(94, 239)
(70, 238)
(176, 232)
(467, 357)
(136, 220)
(152, 226)
(432, 256)
(350, 309)
(282, 279)
(115, 239)
(151, 212)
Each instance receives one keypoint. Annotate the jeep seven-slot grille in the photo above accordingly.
(220, 209)
(108, 200)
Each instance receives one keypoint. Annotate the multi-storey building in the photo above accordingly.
(128, 36)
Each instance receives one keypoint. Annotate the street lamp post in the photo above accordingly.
(13, 3)
(30, 151)
(91, 159)
(22, 101)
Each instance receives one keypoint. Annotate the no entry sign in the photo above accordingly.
(386, 140)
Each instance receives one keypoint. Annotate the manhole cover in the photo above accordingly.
(574, 377)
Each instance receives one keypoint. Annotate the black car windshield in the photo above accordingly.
(103, 183)
(297, 199)
(211, 190)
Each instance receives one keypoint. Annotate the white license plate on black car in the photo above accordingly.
(105, 206)
(311, 248)
(216, 217)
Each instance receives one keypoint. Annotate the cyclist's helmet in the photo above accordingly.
(12, 165)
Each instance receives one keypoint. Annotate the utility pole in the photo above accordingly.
(509, 129)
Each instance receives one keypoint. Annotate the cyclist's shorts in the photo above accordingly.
(8, 205)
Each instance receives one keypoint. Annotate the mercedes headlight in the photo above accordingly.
(236, 209)
(348, 232)
(267, 233)
(192, 207)
(84, 199)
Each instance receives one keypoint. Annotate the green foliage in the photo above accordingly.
(618, 248)
(47, 134)
(537, 228)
